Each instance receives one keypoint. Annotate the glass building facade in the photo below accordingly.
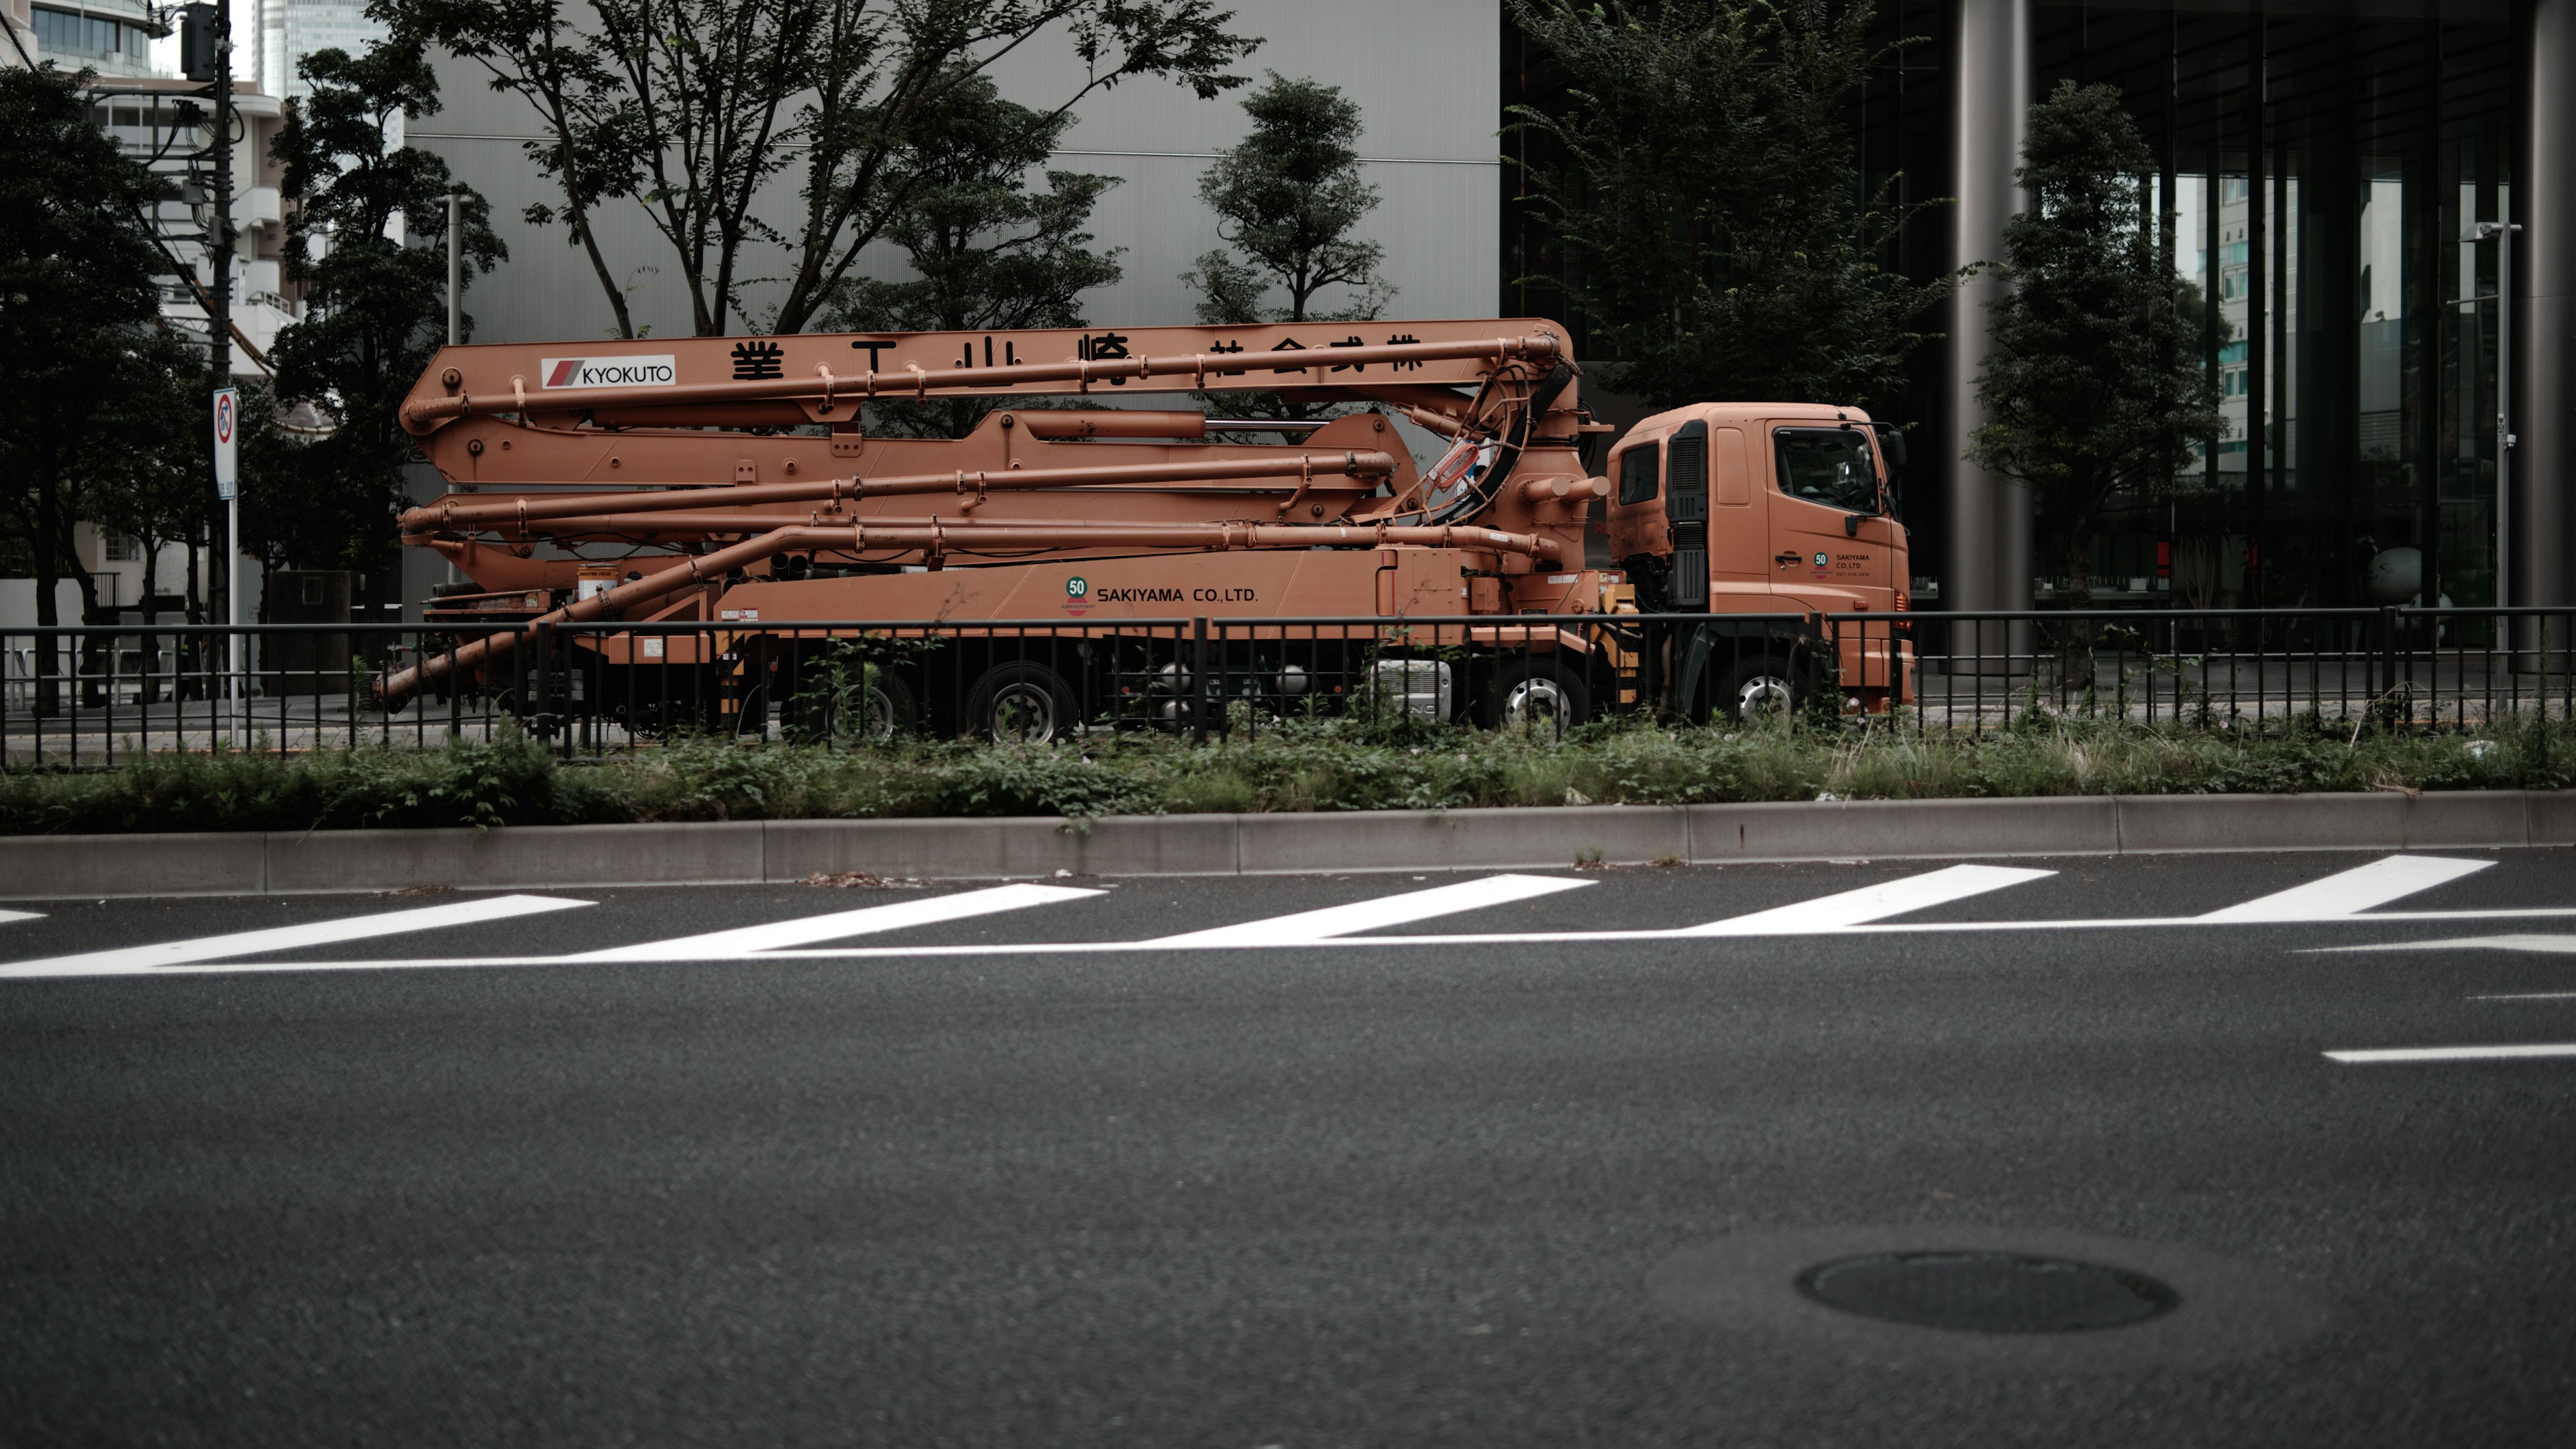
(112, 37)
(290, 30)
(2322, 170)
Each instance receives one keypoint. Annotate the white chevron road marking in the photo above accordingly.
(2350, 892)
(1873, 902)
(2336, 901)
(7, 916)
(840, 925)
(1373, 915)
(144, 960)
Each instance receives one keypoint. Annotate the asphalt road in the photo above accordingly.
(1297, 1188)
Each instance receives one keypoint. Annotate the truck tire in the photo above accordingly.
(886, 706)
(1021, 701)
(1538, 694)
(1759, 687)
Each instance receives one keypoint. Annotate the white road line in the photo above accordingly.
(2529, 996)
(1396, 910)
(2554, 945)
(2456, 1054)
(1861, 913)
(867, 920)
(1521, 939)
(7, 916)
(1873, 903)
(144, 960)
(2350, 892)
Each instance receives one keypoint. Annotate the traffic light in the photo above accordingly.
(197, 42)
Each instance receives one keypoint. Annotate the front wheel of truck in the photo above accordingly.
(1761, 687)
(1536, 694)
(1022, 702)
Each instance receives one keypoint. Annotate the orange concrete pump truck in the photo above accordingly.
(732, 480)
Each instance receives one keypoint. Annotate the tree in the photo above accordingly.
(1287, 198)
(78, 308)
(987, 253)
(2094, 383)
(376, 308)
(693, 108)
(1710, 204)
(146, 470)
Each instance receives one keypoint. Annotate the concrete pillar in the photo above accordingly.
(1990, 519)
(2544, 337)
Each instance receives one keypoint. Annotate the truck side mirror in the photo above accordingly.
(1892, 443)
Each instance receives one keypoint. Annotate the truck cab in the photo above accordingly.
(1766, 508)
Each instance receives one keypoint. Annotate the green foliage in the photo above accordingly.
(81, 357)
(376, 309)
(1709, 199)
(513, 780)
(987, 254)
(2094, 385)
(694, 109)
(1287, 198)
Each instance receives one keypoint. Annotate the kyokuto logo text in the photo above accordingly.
(660, 371)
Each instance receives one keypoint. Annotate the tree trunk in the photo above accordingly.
(190, 653)
(91, 660)
(2079, 568)
(150, 692)
(49, 647)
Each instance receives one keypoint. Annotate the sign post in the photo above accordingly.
(228, 488)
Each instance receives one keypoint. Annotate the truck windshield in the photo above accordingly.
(1637, 477)
(1831, 466)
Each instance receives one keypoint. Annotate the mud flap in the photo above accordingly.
(1686, 679)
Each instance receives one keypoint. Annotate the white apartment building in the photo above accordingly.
(290, 30)
(142, 112)
(112, 37)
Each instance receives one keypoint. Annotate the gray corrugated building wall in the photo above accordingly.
(1425, 74)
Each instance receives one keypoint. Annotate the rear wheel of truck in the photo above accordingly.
(1537, 694)
(1761, 687)
(1021, 701)
(886, 706)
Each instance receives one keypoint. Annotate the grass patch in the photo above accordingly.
(512, 780)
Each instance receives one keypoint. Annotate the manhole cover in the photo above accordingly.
(1987, 1292)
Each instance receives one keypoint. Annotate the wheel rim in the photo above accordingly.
(1536, 701)
(876, 719)
(1025, 713)
(1763, 694)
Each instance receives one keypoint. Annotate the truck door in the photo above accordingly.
(1834, 548)
(1739, 546)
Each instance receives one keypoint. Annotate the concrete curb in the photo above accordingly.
(757, 852)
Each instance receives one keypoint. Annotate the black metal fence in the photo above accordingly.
(91, 697)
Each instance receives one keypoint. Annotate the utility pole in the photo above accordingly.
(455, 267)
(2503, 232)
(455, 288)
(219, 332)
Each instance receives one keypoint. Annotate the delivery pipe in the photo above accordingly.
(427, 414)
(448, 513)
(955, 535)
(938, 538)
(400, 685)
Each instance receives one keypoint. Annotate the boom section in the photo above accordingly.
(826, 377)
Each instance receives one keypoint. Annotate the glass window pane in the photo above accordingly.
(1638, 477)
(1831, 466)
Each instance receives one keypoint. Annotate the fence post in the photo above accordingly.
(1198, 679)
(571, 716)
(2383, 664)
(534, 700)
